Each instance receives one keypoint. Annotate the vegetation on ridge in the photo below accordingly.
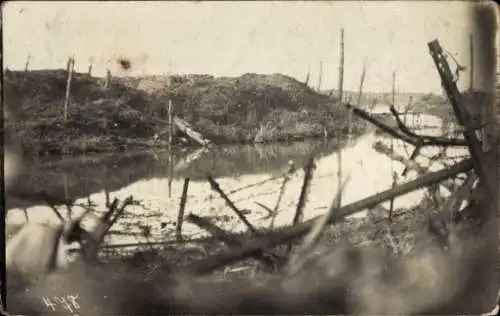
(227, 110)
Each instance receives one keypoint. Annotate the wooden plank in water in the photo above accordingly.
(184, 127)
(187, 129)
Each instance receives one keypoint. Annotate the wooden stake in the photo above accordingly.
(394, 88)
(71, 65)
(320, 75)
(182, 206)
(28, 59)
(341, 67)
(471, 43)
(108, 79)
(299, 212)
(308, 75)
(216, 187)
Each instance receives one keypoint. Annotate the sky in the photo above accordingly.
(233, 38)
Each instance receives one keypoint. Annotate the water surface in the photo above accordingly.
(250, 174)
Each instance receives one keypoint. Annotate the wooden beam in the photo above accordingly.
(282, 236)
(187, 129)
(462, 115)
(184, 127)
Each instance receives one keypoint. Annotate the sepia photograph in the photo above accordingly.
(250, 157)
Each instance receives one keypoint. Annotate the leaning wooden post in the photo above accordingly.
(462, 116)
(182, 206)
(71, 65)
(340, 95)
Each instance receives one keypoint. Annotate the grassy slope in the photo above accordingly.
(225, 110)
(36, 102)
(237, 109)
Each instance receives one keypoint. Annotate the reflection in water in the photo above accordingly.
(80, 176)
(250, 174)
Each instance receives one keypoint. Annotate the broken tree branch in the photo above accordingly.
(443, 141)
(400, 135)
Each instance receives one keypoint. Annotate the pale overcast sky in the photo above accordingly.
(232, 38)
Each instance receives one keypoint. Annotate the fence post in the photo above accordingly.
(182, 206)
(70, 66)
(26, 66)
(108, 79)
